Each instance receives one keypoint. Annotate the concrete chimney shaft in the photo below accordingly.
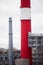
(26, 52)
(10, 42)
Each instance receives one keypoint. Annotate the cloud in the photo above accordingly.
(9, 8)
(37, 6)
(12, 8)
(37, 23)
(37, 16)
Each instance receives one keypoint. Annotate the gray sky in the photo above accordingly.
(12, 8)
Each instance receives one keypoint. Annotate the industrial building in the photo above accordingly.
(35, 41)
(4, 58)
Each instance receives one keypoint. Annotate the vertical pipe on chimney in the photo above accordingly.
(10, 42)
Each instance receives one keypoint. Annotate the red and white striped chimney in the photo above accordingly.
(25, 28)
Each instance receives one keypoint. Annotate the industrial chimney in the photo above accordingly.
(10, 42)
(26, 52)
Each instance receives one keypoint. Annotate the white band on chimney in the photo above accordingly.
(25, 13)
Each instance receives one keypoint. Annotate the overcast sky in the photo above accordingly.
(12, 8)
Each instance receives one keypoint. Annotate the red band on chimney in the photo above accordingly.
(25, 3)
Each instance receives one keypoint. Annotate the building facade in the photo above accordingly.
(35, 41)
(4, 58)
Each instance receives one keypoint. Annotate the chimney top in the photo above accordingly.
(10, 19)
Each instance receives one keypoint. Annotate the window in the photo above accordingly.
(1, 58)
(6, 58)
